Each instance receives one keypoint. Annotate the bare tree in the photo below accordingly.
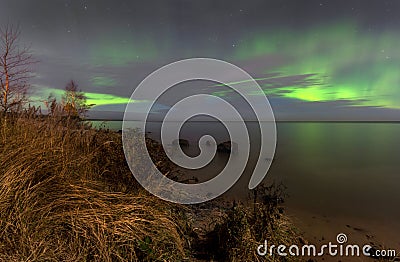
(15, 69)
(74, 101)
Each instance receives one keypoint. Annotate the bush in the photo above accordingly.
(248, 225)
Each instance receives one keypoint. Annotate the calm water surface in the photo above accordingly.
(346, 170)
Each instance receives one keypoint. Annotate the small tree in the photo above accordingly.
(15, 69)
(74, 101)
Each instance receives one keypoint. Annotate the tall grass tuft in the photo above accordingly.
(66, 194)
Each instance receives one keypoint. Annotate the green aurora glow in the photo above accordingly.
(111, 52)
(336, 62)
(106, 99)
(346, 62)
(97, 99)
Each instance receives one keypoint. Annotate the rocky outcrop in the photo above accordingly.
(228, 147)
(181, 142)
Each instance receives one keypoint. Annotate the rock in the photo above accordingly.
(181, 142)
(228, 147)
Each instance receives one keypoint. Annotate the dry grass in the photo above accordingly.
(67, 194)
(60, 199)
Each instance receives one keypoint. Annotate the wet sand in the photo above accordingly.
(320, 228)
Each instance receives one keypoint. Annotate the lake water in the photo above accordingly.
(339, 176)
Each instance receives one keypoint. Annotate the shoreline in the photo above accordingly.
(67, 185)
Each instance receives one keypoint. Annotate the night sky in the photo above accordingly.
(316, 60)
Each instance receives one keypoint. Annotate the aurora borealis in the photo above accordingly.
(331, 58)
(346, 62)
(338, 61)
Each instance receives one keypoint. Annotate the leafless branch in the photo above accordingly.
(15, 69)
